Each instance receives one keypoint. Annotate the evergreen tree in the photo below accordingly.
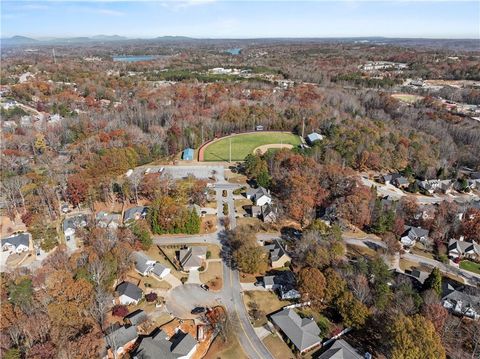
(434, 281)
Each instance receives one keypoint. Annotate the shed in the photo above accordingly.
(187, 154)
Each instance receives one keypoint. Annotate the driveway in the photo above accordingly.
(194, 277)
(172, 280)
(181, 300)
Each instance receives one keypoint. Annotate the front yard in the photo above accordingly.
(278, 347)
(213, 275)
(470, 266)
(267, 302)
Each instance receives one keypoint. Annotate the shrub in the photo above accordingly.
(201, 269)
(151, 297)
(120, 310)
(209, 254)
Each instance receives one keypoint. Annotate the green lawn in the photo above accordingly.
(242, 145)
(470, 266)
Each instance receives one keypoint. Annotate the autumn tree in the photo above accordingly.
(354, 313)
(414, 337)
(311, 283)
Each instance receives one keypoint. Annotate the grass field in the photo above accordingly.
(244, 144)
(470, 266)
(408, 98)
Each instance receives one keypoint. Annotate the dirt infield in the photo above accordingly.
(265, 148)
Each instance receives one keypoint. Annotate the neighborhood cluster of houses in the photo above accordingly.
(383, 65)
(39, 121)
(434, 185)
(123, 338)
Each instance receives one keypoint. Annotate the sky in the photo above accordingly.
(241, 19)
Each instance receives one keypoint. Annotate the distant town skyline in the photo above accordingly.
(242, 19)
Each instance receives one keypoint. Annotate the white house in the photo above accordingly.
(129, 293)
(146, 266)
(412, 235)
(17, 243)
(71, 224)
(260, 196)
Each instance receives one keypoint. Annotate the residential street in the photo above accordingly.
(469, 277)
(231, 294)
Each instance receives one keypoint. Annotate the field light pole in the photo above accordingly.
(230, 157)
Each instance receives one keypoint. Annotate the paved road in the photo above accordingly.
(372, 243)
(231, 295)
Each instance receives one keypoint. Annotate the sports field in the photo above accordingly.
(244, 144)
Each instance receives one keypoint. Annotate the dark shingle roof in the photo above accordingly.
(120, 335)
(159, 346)
(340, 350)
(130, 290)
(137, 317)
(16, 240)
(304, 333)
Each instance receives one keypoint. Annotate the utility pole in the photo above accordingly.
(202, 134)
(54, 58)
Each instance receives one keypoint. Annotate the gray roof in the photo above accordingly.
(192, 256)
(120, 335)
(140, 259)
(401, 180)
(158, 269)
(75, 222)
(17, 240)
(303, 332)
(131, 213)
(465, 297)
(415, 232)
(137, 317)
(159, 346)
(276, 250)
(258, 192)
(130, 290)
(463, 247)
(314, 136)
(340, 350)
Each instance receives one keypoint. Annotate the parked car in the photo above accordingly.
(258, 284)
(224, 193)
(198, 310)
(205, 287)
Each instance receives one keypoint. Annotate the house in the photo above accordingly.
(302, 332)
(288, 293)
(314, 137)
(9, 125)
(120, 339)
(17, 243)
(129, 293)
(187, 154)
(278, 257)
(192, 258)
(389, 178)
(71, 224)
(258, 128)
(146, 266)
(283, 278)
(108, 220)
(401, 182)
(260, 196)
(158, 345)
(135, 318)
(412, 235)
(134, 214)
(340, 350)
(432, 186)
(464, 301)
(463, 249)
(268, 213)
(143, 264)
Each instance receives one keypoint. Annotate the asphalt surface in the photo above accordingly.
(372, 243)
(181, 300)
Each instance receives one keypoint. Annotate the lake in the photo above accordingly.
(133, 58)
(235, 51)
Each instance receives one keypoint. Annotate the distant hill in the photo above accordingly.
(18, 40)
(174, 38)
(109, 38)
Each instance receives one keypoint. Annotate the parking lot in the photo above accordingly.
(181, 171)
